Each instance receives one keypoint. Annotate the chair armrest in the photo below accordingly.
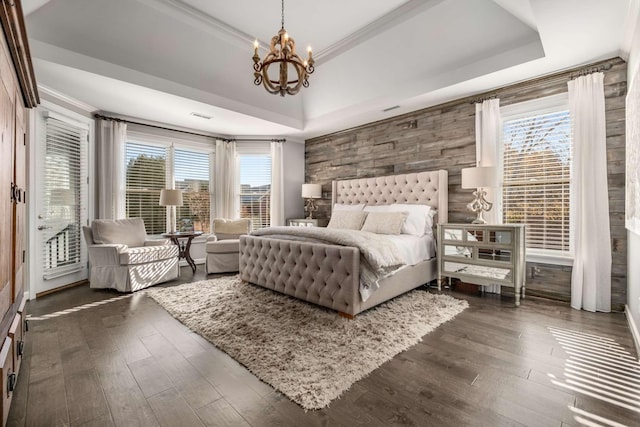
(212, 238)
(106, 254)
(157, 242)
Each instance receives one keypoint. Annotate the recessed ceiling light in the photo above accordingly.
(202, 116)
(390, 108)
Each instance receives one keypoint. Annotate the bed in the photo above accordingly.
(329, 274)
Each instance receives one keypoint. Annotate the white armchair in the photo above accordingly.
(223, 246)
(122, 257)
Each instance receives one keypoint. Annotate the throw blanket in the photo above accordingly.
(379, 257)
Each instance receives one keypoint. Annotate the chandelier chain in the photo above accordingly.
(282, 14)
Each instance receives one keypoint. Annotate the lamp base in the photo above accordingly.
(479, 205)
(310, 207)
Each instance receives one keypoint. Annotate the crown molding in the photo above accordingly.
(194, 17)
(212, 25)
(66, 99)
(391, 19)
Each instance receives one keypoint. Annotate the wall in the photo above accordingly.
(443, 137)
(633, 248)
(293, 179)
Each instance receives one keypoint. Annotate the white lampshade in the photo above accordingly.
(311, 191)
(169, 197)
(480, 177)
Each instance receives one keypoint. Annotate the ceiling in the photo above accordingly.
(161, 60)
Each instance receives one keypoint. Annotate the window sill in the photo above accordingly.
(547, 258)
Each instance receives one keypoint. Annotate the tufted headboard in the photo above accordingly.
(429, 188)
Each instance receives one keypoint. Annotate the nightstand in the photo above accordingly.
(316, 222)
(483, 254)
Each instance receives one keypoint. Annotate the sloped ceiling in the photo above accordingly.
(161, 60)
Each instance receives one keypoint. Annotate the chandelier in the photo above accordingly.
(282, 51)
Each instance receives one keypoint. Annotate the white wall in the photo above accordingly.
(293, 179)
(633, 240)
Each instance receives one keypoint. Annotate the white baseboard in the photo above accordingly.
(632, 327)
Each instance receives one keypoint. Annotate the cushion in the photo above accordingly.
(145, 254)
(129, 231)
(345, 207)
(351, 220)
(223, 246)
(416, 222)
(384, 222)
(234, 227)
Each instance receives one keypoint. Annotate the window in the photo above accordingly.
(192, 177)
(537, 161)
(255, 189)
(145, 176)
(150, 168)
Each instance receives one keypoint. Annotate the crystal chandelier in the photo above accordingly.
(282, 51)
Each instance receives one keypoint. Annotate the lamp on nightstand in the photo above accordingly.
(480, 177)
(310, 192)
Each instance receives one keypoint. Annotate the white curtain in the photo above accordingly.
(591, 275)
(277, 184)
(488, 142)
(227, 205)
(110, 177)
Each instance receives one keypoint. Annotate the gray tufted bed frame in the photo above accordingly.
(328, 275)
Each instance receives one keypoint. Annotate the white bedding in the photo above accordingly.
(414, 249)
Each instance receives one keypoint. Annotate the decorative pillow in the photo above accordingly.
(384, 222)
(345, 207)
(128, 231)
(226, 229)
(428, 229)
(350, 220)
(416, 222)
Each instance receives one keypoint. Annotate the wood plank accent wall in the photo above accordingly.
(443, 137)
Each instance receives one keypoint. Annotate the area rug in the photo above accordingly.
(308, 353)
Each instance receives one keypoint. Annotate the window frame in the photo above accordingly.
(171, 144)
(535, 107)
(251, 149)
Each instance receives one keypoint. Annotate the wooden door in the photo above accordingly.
(6, 178)
(20, 203)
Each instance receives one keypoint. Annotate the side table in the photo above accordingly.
(183, 239)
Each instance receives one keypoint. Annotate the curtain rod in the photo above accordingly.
(115, 119)
(560, 77)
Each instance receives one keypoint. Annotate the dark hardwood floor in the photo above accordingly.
(127, 362)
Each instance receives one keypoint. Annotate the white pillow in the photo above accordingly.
(378, 208)
(416, 223)
(350, 220)
(384, 222)
(345, 207)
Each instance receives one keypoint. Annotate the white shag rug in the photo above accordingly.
(308, 353)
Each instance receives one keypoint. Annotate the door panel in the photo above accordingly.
(61, 202)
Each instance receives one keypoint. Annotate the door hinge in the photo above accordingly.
(24, 139)
(24, 254)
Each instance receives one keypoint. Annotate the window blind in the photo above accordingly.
(145, 176)
(537, 157)
(255, 189)
(191, 171)
(65, 173)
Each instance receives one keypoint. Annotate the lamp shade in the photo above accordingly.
(170, 197)
(480, 177)
(311, 191)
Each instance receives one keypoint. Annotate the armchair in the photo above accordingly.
(122, 257)
(223, 246)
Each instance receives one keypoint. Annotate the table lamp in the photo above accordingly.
(170, 197)
(480, 177)
(309, 193)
